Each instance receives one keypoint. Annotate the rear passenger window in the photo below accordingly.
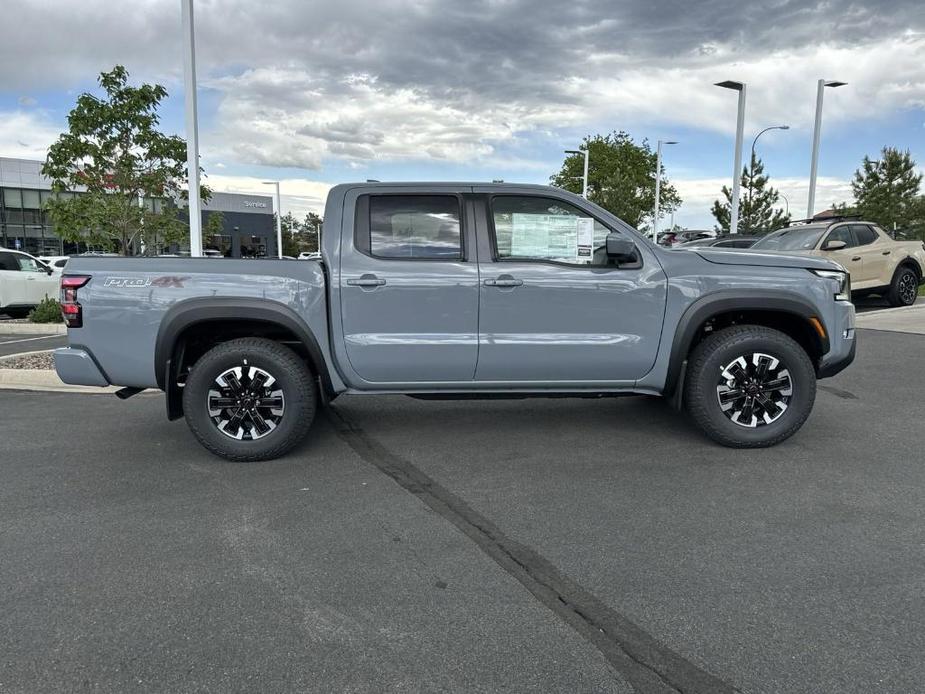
(864, 234)
(8, 262)
(414, 227)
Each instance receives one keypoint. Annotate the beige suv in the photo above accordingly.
(877, 264)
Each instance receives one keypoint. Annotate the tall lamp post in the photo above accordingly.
(658, 184)
(737, 164)
(279, 219)
(787, 203)
(817, 133)
(192, 129)
(584, 178)
(751, 162)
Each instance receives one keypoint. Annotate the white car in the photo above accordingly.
(24, 283)
(305, 255)
(55, 262)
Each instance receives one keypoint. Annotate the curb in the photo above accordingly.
(32, 328)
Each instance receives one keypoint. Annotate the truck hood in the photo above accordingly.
(747, 256)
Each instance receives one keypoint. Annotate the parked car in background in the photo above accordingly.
(670, 239)
(876, 263)
(55, 262)
(24, 283)
(305, 255)
(727, 241)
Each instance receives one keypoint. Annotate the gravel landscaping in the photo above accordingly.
(38, 360)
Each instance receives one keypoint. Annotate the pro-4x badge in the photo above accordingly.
(167, 281)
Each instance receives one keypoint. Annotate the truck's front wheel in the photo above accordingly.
(249, 399)
(749, 386)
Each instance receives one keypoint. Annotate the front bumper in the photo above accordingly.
(77, 367)
(842, 342)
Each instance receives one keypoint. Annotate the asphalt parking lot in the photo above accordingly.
(538, 545)
(14, 344)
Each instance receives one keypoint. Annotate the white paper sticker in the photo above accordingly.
(550, 236)
(585, 242)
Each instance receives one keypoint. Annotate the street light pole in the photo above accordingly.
(584, 178)
(658, 184)
(279, 219)
(751, 163)
(192, 129)
(787, 203)
(817, 133)
(737, 164)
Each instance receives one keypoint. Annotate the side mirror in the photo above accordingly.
(620, 247)
(833, 245)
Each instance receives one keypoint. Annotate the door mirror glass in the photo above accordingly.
(620, 248)
(833, 245)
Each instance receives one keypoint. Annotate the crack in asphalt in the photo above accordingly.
(647, 664)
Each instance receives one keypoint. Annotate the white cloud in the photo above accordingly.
(26, 135)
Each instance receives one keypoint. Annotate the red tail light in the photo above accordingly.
(70, 308)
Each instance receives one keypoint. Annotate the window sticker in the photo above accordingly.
(553, 237)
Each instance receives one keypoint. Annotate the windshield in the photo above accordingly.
(791, 239)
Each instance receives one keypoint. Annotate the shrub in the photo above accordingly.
(49, 311)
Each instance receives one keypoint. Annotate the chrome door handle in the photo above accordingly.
(366, 281)
(503, 281)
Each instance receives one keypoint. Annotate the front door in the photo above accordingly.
(848, 256)
(37, 283)
(409, 290)
(553, 307)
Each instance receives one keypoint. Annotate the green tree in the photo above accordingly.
(114, 151)
(311, 232)
(758, 212)
(887, 192)
(292, 234)
(621, 178)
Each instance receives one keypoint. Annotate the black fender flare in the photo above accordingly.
(184, 314)
(724, 301)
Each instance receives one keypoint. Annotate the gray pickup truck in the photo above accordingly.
(451, 290)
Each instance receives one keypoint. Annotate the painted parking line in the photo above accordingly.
(27, 339)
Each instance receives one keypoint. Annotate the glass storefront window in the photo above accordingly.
(12, 197)
(31, 200)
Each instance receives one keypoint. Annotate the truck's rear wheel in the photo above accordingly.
(749, 386)
(249, 399)
(904, 288)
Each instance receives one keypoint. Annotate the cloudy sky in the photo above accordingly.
(317, 92)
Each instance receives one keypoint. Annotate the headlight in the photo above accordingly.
(843, 291)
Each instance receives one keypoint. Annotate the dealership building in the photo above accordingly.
(248, 227)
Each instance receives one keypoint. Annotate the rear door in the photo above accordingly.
(553, 308)
(875, 253)
(12, 281)
(409, 287)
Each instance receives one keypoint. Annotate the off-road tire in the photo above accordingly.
(704, 371)
(904, 288)
(293, 377)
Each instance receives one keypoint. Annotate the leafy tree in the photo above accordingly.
(291, 231)
(621, 178)
(887, 191)
(311, 232)
(114, 151)
(214, 226)
(757, 204)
